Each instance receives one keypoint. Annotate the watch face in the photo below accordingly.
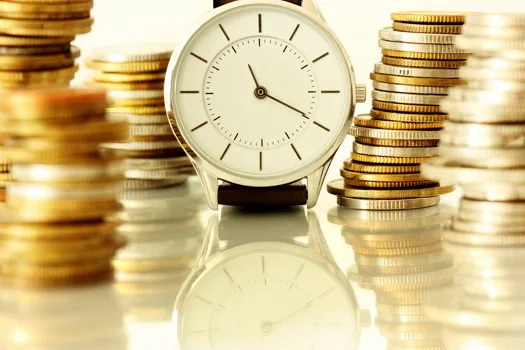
(268, 300)
(261, 91)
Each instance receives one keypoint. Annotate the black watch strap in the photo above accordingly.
(217, 3)
(287, 195)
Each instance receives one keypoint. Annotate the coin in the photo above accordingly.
(149, 85)
(54, 7)
(411, 152)
(429, 17)
(423, 55)
(484, 158)
(387, 184)
(390, 34)
(381, 177)
(408, 118)
(415, 63)
(405, 98)
(396, 143)
(128, 67)
(147, 119)
(143, 146)
(359, 131)
(380, 169)
(382, 68)
(423, 49)
(137, 110)
(8, 40)
(410, 89)
(39, 76)
(405, 108)
(46, 191)
(337, 188)
(395, 125)
(427, 28)
(127, 78)
(62, 232)
(44, 15)
(133, 53)
(45, 28)
(106, 170)
(394, 79)
(145, 184)
(39, 62)
(156, 163)
(158, 174)
(387, 160)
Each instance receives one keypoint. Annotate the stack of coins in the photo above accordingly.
(483, 150)
(56, 232)
(418, 66)
(134, 77)
(399, 255)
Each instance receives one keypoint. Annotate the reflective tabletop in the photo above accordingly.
(328, 278)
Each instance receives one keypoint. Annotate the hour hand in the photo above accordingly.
(253, 75)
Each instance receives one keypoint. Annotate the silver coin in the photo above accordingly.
(484, 97)
(99, 190)
(395, 151)
(399, 309)
(142, 146)
(150, 130)
(484, 158)
(133, 53)
(414, 99)
(505, 48)
(359, 131)
(157, 163)
(494, 191)
(491, 218)
(403, 318)
(147, 119)
(382, 68)
(487, 229)
(507, 20)
(392, 204)
(405, 281)
(389, 34)
(495, 63)
(137, 184)
(115, 95)
(442, 169)
(477, 239)
(496, 85)
(58, 173)
(493, 207)
(151, 277)
(410, 89)
(474, 73)
(403, 261)
(392, 334)
(158, 174)
(383, 215)
(482, 141)
(473, 112)
(426, 48)
(484, 129)
(493, 33)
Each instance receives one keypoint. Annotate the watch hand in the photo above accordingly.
(253, 75)
(291, 315)
(286, 104)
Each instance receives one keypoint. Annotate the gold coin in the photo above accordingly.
(406, 62)
(395, 79)
(153, 85)
(382, 124)
(4, 166)
(39, 62)
(59, 232)
(32, 6)
(45, 28)
(63, 153)
(381, 177)
(43, 75)
(387, 184)
(151, 138)
(397, 240)
(172, 152)
(337, 188)
(136, 102)
(396, 143)
(96, 130)
(408, 117)
(148, 265)
(129, 67)
(55, 272)
(406, 297)
(127, 78)
(427, 28)
(405, 108)
(61, 82)
(53, 104)
(41, 282)
(380, 169)
(425, 55)
(137, 110)
(5, 177)
(8, 40)
(364, 158)
(429, 17)
(86, 243)
(44, 15)
(425, 249)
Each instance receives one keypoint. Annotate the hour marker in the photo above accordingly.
(260, 161)
(234, 49)
(209, 93)
(305, 116)
(189, 91)
(235, 138)
(330, 91)
(197, 332)
(287, 135)
(263, 267)
(224, 32)
(215, 68)
(303, 67)
(312, 92)
(260, 23)
(222, 157)
(262, 142)
(219, 117)
(259, 42)
(229, 276)
(299, 272)
(199, 126)
(321, 126)
(296, 153)
(204, 300)
(294, 32)
(324, 293)
(198, 57)
(321, 57)
(285, 48)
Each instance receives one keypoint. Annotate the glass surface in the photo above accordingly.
(326, 279)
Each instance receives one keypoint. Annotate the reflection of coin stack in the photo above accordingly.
(56, 232)
(418, 66)
(81, 318)
(399, 255)
(164, 235)
(483, 150)
(134, 76)
(35, 46)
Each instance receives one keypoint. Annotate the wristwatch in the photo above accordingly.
(266, 281)
(261, 95)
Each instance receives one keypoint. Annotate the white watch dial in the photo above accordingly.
(268, 300)
(261, 90)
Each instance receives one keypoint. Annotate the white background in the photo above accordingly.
(355, 22)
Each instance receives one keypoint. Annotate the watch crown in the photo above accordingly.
(361, 93)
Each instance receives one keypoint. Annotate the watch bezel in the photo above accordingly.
(230, 176)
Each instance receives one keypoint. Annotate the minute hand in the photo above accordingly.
(287, 105)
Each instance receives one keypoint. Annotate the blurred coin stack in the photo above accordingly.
(35, 46)
(399, 255)
(134, 77)
(56, 233)
(418, 66)
(483, 150)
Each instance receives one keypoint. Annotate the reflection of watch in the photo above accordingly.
(274, 291)
(261, 96)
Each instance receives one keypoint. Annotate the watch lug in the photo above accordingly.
(210, 246)
(314, 182)
(311, 5)
(210, 185)
(316, 240)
